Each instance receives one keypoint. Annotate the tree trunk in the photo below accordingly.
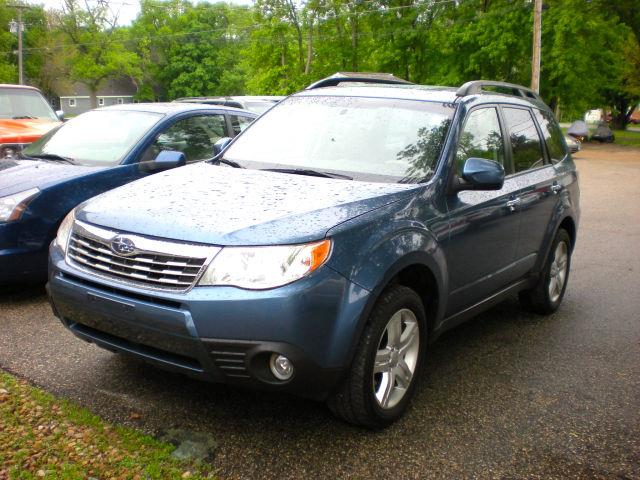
(343, 60)
(354, 43)
(296, 23)
(307, 67)
(93, 95)
(620, 120)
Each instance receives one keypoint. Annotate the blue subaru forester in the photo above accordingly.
(326, 247)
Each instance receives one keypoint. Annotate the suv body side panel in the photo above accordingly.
(566, 206)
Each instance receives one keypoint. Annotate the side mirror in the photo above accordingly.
(60, 115)
(220, 145)
(481, 174)
(164, 161)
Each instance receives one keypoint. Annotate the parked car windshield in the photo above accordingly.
(369, 139)
(24, 103)
(98, 137)
(258, 107)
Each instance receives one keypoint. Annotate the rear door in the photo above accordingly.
(534, 177)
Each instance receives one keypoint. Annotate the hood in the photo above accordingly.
(217, 205)
(19, 175)
(24, 130)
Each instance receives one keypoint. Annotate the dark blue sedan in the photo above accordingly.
(88, 155)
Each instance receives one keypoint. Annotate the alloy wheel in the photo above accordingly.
(558, 271)
(396, 358)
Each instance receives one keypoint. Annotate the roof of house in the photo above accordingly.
(123, 86)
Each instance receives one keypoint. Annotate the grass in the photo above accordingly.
(623, 137)
(45, 437)
(628, 138)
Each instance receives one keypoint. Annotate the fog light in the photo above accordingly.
(281, 366)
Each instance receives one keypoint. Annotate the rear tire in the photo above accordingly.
(387, 362)
(545, 297)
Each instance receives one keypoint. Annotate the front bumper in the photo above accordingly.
(22, 266)
(23, 253)
(221, 334)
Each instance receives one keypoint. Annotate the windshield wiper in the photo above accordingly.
(54, 157)
(23, 117)
(309, 172)
(231, 163)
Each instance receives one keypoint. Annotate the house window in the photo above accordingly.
(72, 102)
(101, 102)
(120, 101)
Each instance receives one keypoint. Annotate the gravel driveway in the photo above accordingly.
(507, 395)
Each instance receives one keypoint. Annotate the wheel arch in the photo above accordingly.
(418, 271)
(569, 225)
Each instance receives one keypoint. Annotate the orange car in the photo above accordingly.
(25, 116)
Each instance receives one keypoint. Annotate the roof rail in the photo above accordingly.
(475, 86)
(360, 77)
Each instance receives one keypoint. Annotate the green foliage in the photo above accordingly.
(590, 49)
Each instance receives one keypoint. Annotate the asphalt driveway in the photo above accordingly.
(507, 395)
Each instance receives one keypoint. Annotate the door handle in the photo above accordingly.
(512, 204)
(555, 188)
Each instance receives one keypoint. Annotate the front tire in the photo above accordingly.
(545, 297)
(388, 360)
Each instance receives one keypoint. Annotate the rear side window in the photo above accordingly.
(552, 135)
(239, 123)
(480, 138)
(525, 141)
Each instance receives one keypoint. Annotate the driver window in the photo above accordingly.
(480, 138)
(525, 141)
(193, 136)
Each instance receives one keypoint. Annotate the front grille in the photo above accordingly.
(146, 268)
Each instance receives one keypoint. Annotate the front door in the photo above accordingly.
(483, 225)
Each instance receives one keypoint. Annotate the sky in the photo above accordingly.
(127, 9)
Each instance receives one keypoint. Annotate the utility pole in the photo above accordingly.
(19, 28)
(537, 45)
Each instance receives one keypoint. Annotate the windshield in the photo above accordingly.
(370, 139)
(19, 103)
(98, 137)
(258, 107)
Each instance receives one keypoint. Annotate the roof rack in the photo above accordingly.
(358, 77)
(475, 86)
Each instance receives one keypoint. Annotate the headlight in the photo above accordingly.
(9, 150)
(64, 231)
(257, 268)
(12, 206)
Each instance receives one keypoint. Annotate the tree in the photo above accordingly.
(97, 50)
(8, 68)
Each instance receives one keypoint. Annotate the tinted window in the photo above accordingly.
(525, 141)
(193, 136)
(372, 139)
(552, 135)
(480, 138)
(239, 123)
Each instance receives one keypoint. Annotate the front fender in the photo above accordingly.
(372, 249)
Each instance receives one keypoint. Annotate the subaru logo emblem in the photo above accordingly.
(123, 246)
